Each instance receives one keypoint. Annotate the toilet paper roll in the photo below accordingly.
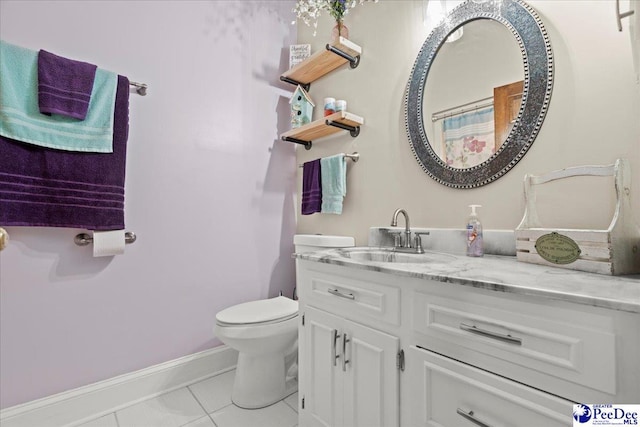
(108, 243)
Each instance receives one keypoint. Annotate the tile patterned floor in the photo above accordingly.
(203, 404)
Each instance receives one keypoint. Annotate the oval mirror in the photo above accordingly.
(474, 106)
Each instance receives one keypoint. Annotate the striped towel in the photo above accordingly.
(334, 183)
(311, 187)
(20, 117)
(55, 188)
(64, 85)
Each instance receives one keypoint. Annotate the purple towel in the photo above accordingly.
(64, 85)
(56, 188)
(311, 187)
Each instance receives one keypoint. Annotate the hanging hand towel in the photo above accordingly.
(334, 183)
(64, 85)
(55, 188)
(311, 187)
(20, 117)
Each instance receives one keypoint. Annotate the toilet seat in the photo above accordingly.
(259, 312)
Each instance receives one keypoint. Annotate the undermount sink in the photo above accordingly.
(373, 254)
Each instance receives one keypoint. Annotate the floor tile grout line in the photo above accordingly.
(205, 409)
(290, 406)
(157, 395)
(188, 387)
(209, 414)
(211, 418)
(218, 373)
(209, 378)
(206, 413)
(225, 407)
(200, 418)
(193, 394)
(197, 400)
(164, 394)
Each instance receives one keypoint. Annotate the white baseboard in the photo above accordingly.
(82, 404)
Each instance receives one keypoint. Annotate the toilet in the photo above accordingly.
(265, 334)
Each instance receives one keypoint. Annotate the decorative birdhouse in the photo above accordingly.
(301, 108)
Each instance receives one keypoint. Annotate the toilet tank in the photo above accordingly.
(318, 242)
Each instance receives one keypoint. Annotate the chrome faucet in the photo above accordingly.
(407, 229)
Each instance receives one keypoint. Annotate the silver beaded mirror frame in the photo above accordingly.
(525, 25)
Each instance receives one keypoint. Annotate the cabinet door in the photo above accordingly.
(446, 393)
(371, 378)
(320, 374)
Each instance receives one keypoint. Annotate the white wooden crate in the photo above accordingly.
(614, 251)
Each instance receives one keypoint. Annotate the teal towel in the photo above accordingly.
(20, 116)
(334, 183)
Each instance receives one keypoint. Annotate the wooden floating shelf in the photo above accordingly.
(336, 122)
(323, 62)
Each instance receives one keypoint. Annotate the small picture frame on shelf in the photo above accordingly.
(298, 53)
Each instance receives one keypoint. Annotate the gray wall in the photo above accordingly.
(592, 119)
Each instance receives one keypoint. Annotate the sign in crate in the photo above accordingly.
(614, 251)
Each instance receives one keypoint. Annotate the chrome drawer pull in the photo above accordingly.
(469, 416)
(344, 351)
(340, 294)
(494, 335)
(335, 335)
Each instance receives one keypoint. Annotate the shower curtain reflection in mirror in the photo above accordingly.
(468, 139)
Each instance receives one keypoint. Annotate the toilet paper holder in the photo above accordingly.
(84, 239)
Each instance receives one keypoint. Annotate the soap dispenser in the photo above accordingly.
(474, 234)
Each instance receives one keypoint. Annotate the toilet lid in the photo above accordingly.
(261, 311)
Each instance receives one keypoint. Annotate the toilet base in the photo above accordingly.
(260, 381)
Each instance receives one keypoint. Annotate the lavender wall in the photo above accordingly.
(209, 191)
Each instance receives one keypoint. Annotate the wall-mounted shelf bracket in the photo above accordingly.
(354, 61)
(305, 86)
(353, 130)
(307, 144)
(329, 125)
(322, 62)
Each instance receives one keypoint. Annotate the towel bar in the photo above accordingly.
(84, 239)
(141, 88)
(4, 238)
(355, 157)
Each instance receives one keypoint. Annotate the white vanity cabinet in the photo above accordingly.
(487, 358)
(571, 350)
(445, 392)
(348, 374)
(476, 354)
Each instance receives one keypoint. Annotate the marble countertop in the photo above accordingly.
(505, 274)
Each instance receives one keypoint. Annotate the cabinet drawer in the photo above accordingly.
(518, 339)
(449, 393)
(352, 298)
